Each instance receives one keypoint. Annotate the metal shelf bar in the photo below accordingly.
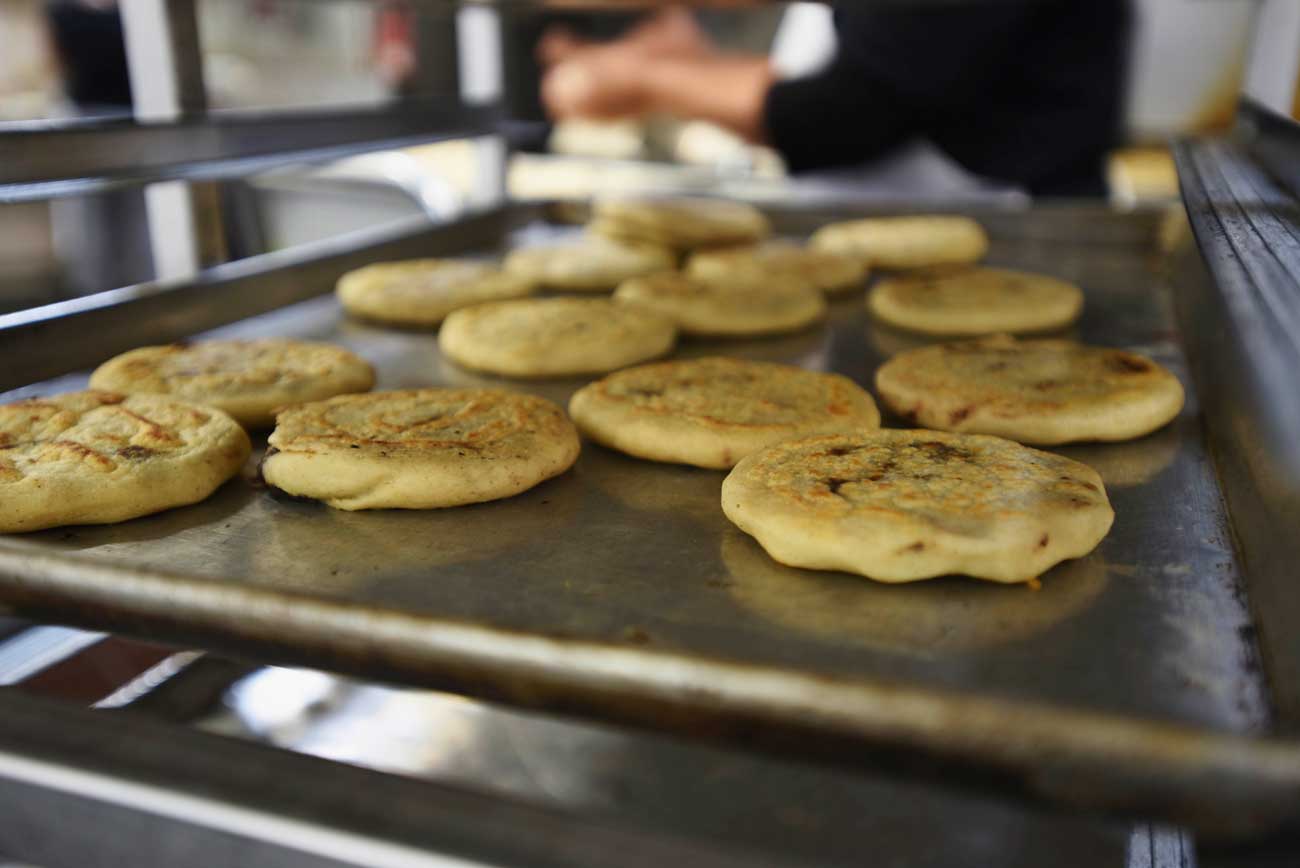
(1273, 140)
(97, 788)
(1247, 326)
(55, 339)
(44, 159)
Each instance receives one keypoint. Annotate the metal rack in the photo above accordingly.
(188, 793)
(46, 159)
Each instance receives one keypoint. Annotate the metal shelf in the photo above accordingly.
(587, 631)
(1246, 324)
(49, 159)
(51, 340)
(95, 788)
(1272, 139)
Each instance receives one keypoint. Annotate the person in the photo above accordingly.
(87, 36)
(1029, 94)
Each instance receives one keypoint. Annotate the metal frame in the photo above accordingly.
(1225, 785)
(69, 158)
(113, 772)
(99, 788)
(39, 345)
(166, 70)
(1248, 326)
(1272, 140)
(1069, 756)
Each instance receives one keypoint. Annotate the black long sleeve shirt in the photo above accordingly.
(1025, 92)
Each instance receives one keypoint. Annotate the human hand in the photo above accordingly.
(666, 65)
(609, 80)
(671, 31)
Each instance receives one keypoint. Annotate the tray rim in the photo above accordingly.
(1221, 784)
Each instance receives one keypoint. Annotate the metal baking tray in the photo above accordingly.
(1129, 682)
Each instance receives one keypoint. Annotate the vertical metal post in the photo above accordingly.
(478, 50)
(1274, 61)
(166, 69)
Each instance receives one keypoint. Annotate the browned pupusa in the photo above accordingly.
(682, 223)
(247, 379)
(897, 506)
(554, 337)
(905, 242)
(958, 301)
(711, 412)
(591, 263)
(100, 457)
(822, 269)
(422, 292)
(1033, 391)
(419, 449)
(727, 307)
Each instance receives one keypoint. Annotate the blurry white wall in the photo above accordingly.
(1187, 63)
(262, 53)
(1274, 62)
(28, 84)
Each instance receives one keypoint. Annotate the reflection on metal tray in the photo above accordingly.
(620, 590)
(792, 813)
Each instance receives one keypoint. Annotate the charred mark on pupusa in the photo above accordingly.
(960, 414)
(881, 471)
(942, 452)
(1088, 485)
(1126, 364)
(834, 484)
(261, 465)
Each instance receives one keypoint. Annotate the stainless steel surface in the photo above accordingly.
(37, 647)
(619, 590)
(1273, 141)
(43, 341)
(165, 63)
(59, 158)
(1245, 330)
(811, 816)
(1274, 55)
(793, 812)
(1156, 846)
(164, 59)
(300, 209)
(85, 789)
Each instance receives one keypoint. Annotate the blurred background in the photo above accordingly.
(66, 59)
